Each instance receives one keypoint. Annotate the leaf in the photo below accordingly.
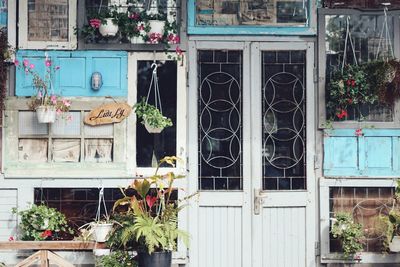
(142, 187)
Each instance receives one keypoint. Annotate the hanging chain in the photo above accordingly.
(386, 39)
(348, 39)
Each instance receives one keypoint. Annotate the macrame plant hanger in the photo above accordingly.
(154, 84)
(346, 41)
(384, 38)
(101, 201)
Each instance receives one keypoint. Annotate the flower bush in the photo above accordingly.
(41, 222)
(349, 233)
(43, 85)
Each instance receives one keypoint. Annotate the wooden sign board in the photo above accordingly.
(108, 113)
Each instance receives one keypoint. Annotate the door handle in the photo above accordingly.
(258, 201)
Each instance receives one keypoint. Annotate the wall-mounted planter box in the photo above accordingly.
(375, 154)
(76, 68)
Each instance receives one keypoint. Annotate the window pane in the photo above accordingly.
(152, 147)
(366, 204)
(248, 12)
(368, 45)
(29, 125)
(48, 20)
(64, 127)
(32, 150)
(220, 120)
(98, 150)
(66, 150)
(284, 120)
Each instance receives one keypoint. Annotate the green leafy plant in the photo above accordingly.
(349, 233)
(117, 259)
(41, 223)
(151, 115)
(155, 214)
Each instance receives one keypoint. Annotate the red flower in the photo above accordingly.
(173, 38)
(46, 233)
(342, 114)
(95, 23)
(348, 82)
(358, 132)
(150, 201)
(350, 101)
(155, 37)
(134, 16)
(178, 51)
(11, 238)
(353, 83)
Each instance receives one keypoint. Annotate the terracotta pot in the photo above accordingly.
(109, 28)
(46, 114)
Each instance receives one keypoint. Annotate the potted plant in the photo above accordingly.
(102, 229)
(42, 223)
(117, 259)
(46, 104)
(151, 117)
(349, 233)
(155, 213)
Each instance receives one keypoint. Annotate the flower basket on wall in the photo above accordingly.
(108, 28)
(46, 114)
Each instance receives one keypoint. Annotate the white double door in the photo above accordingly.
(267, 219)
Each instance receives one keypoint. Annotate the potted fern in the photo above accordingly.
(152, 118)
(155, 218)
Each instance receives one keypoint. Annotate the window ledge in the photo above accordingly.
(366, 257)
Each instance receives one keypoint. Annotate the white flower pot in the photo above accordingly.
(152, 129)
(394, 246)
(109, 28)
(157, 26)
(137, 40)
(101, 252)
(46, 114)
(101, 231)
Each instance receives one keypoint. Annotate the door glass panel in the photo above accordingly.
(249, 12)
(284, 120)
(48, 20)
(220, 119)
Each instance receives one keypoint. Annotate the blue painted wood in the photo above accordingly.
(76, 68)
(3, 13)
(375, 154)
(244, 29)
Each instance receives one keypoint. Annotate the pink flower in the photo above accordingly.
(178, 51)
(140, 27)
(134, 16)
(32, 66)
(11, 238)
(47, 63)
(16, 62)
(26, 62)
(173, 38)
(66, 103)
(95, 23)
(359, 132)
(39, 94)
(150, 201)
(53, 99)
(58, 111)
(155, 37)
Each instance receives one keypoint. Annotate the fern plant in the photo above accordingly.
(155, 214)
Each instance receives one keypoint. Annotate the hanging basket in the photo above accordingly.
(101, 231)
(46, 114)
(157, 26)
(108, 29)
(152, 129)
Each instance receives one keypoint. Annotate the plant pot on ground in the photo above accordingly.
(155, 259)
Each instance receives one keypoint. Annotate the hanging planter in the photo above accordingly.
(394, 245)
(109, 28)
(152, 129)
(101, 231)
(152, 116)
(46, 114)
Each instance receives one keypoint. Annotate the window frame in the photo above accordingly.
(181, 123)
(321, 78)
(325, 184)
(24, 43)
(310, 29)
(13, 168)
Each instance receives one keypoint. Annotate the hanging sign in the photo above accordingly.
(108, 113)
